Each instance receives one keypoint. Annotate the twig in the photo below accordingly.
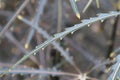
(75, 8)
(59, 21)
(112, 37)
(2, 65)
(14, 41)
(87, 5)
(14, 17)
(6, 13)
(34, 71)
(35, 22)
(41, 53)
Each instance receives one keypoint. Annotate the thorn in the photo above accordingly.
(26, 46)
(19, 17)
(78, 15)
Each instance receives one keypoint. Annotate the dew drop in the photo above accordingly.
(72, 32)
(61, 38)
(67, 49)
(75, 25)
(12, 28)
(102, 20)
(9, 70)
(88, 25)
(42, 48)
(76, 0)
(36, 47)
(34, 53)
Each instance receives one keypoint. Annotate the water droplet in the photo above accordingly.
(102, 20)
(19, 17)
(61, 38)
(9, 70)
(67, 49)
(42, 48)
(34, 53)
(78, 15)
(12, 28)
(72, 32)
(76, 0)
(88, 25)
(36, 47)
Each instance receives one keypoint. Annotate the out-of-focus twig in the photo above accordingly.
(39, 11)
(87, 55)
(97, 3)
(14, 41)
(46, 72)
(6, 13)
(14, 17)
(59, 22)
(41, 53)
(112, 37)
(2, 65)
(87, 5)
